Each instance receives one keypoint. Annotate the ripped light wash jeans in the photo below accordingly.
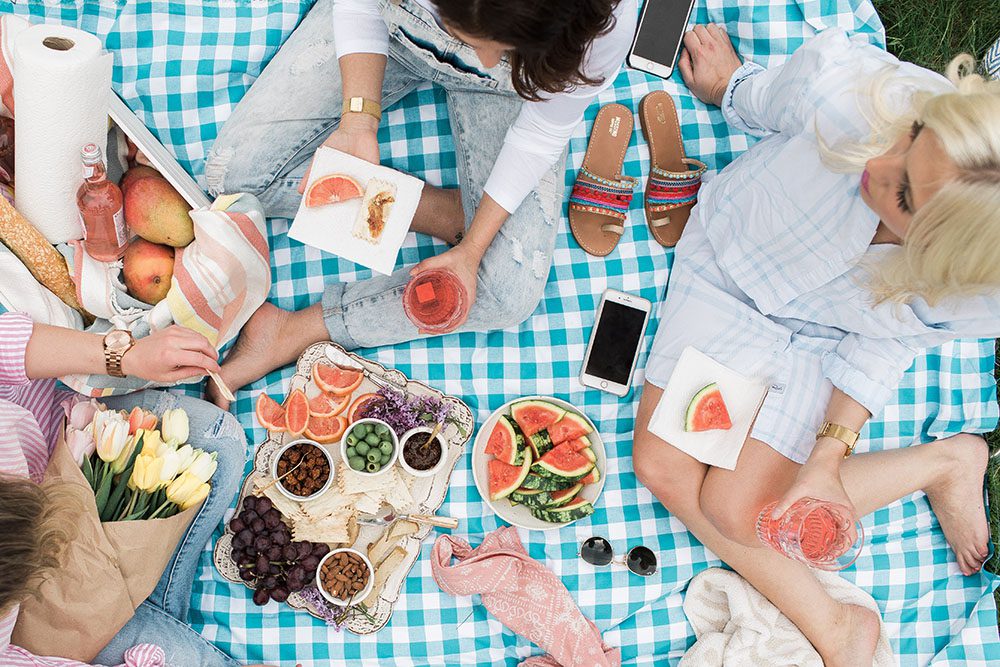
(268, 142)
(162, 618)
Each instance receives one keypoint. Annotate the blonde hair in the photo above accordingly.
(952, 246)
(37, 523)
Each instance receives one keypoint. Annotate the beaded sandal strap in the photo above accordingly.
(667, 190)
(604, 196)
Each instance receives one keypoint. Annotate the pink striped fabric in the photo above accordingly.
(30, 415)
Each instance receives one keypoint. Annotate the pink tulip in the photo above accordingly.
(81, 444)
(80, 411)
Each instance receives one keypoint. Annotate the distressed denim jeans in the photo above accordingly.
(162, 618)
(268, 142)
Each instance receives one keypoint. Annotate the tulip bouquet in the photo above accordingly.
(136, 470)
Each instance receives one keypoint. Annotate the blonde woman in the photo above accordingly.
(863, 228)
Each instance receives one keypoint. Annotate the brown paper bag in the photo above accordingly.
(110, 568)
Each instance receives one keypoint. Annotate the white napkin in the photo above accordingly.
(329, 227)
(743, 398)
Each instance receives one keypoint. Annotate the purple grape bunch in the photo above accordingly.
(267, 557)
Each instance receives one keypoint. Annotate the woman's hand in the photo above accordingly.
(463, 260)
(820, 480)
(356, 135)
(169, 355)
(708, 62)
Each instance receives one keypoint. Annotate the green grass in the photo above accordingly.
(930, 33)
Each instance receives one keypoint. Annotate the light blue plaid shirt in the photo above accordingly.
(791, 233)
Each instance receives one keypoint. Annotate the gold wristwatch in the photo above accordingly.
(838, 432)
(116, 343)
(362, 105)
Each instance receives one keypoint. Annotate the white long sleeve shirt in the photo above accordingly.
(542, 129)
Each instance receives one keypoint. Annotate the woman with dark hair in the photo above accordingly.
(518, 76)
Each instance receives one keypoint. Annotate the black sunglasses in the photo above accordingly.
(597, 551)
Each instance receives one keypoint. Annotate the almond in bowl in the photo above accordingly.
(344, 577)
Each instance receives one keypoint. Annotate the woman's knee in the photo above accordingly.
(511, 299)
(730, 512)
(672, 479)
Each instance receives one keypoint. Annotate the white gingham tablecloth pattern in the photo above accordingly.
(183, 66)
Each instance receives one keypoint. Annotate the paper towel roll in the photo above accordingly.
(62, 80)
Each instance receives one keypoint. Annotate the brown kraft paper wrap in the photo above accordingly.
(108, 570)
(37, 254)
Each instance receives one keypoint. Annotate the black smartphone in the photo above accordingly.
(614, 342)
(658, 38)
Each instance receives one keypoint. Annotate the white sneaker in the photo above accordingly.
(991, 60)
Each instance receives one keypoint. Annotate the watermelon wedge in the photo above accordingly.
(558, 498)
(533, 416)
(592, 477)
(571, 426)
(707, 411)
(580, 443)
(506, 442)
(505, 478)
(562, 461)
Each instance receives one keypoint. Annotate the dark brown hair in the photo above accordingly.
(550, 37)
(36, 523)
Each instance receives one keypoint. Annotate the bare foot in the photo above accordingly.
(853, 639)
(272, 338)
(957, 500)
(440, 214)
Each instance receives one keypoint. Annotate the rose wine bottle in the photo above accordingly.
(100, 202)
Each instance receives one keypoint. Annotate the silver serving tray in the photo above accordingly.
(428, 492)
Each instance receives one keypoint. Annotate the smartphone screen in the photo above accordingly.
(661, 30)
(615, 342)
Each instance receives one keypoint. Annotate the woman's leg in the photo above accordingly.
(269, 140)
(212, 430)
(370, 313)
(842, 634)
(182, 645)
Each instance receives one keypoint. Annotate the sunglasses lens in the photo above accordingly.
(642, 561)
(597, 551)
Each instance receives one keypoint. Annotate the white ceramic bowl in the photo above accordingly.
(519, 515)
(426, 431)
(360, 597)
(281, 487)
(395, 447)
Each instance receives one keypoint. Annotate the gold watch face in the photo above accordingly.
(118, 340)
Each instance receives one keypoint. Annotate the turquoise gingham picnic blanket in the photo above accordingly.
(183, 66)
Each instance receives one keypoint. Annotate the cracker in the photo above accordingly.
(386, 569)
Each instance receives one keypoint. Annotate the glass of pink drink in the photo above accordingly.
(821, 534)
(435, 301)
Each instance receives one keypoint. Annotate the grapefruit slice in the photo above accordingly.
(335, 379)
(326, 429)
(332, 189)
(328, 405)
(270, 414)
(297, 412)
(356, 411)
(505, 478)
(707, 411)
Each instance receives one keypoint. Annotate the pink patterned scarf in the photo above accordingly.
(525, 596)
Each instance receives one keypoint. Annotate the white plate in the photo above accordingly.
(519, 515)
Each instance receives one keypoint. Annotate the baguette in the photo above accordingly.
(38, 256)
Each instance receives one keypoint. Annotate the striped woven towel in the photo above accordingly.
(219, 280)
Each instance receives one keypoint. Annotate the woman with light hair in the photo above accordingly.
(863, 228)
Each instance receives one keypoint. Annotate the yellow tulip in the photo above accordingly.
(151, 442)
(120, 463)
(196, 497)
(187, 454)
(183, 488)
(170, 462)
(146, 473)
(175, 425)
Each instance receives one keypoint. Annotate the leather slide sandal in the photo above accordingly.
(674, 180)
(599, 203)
